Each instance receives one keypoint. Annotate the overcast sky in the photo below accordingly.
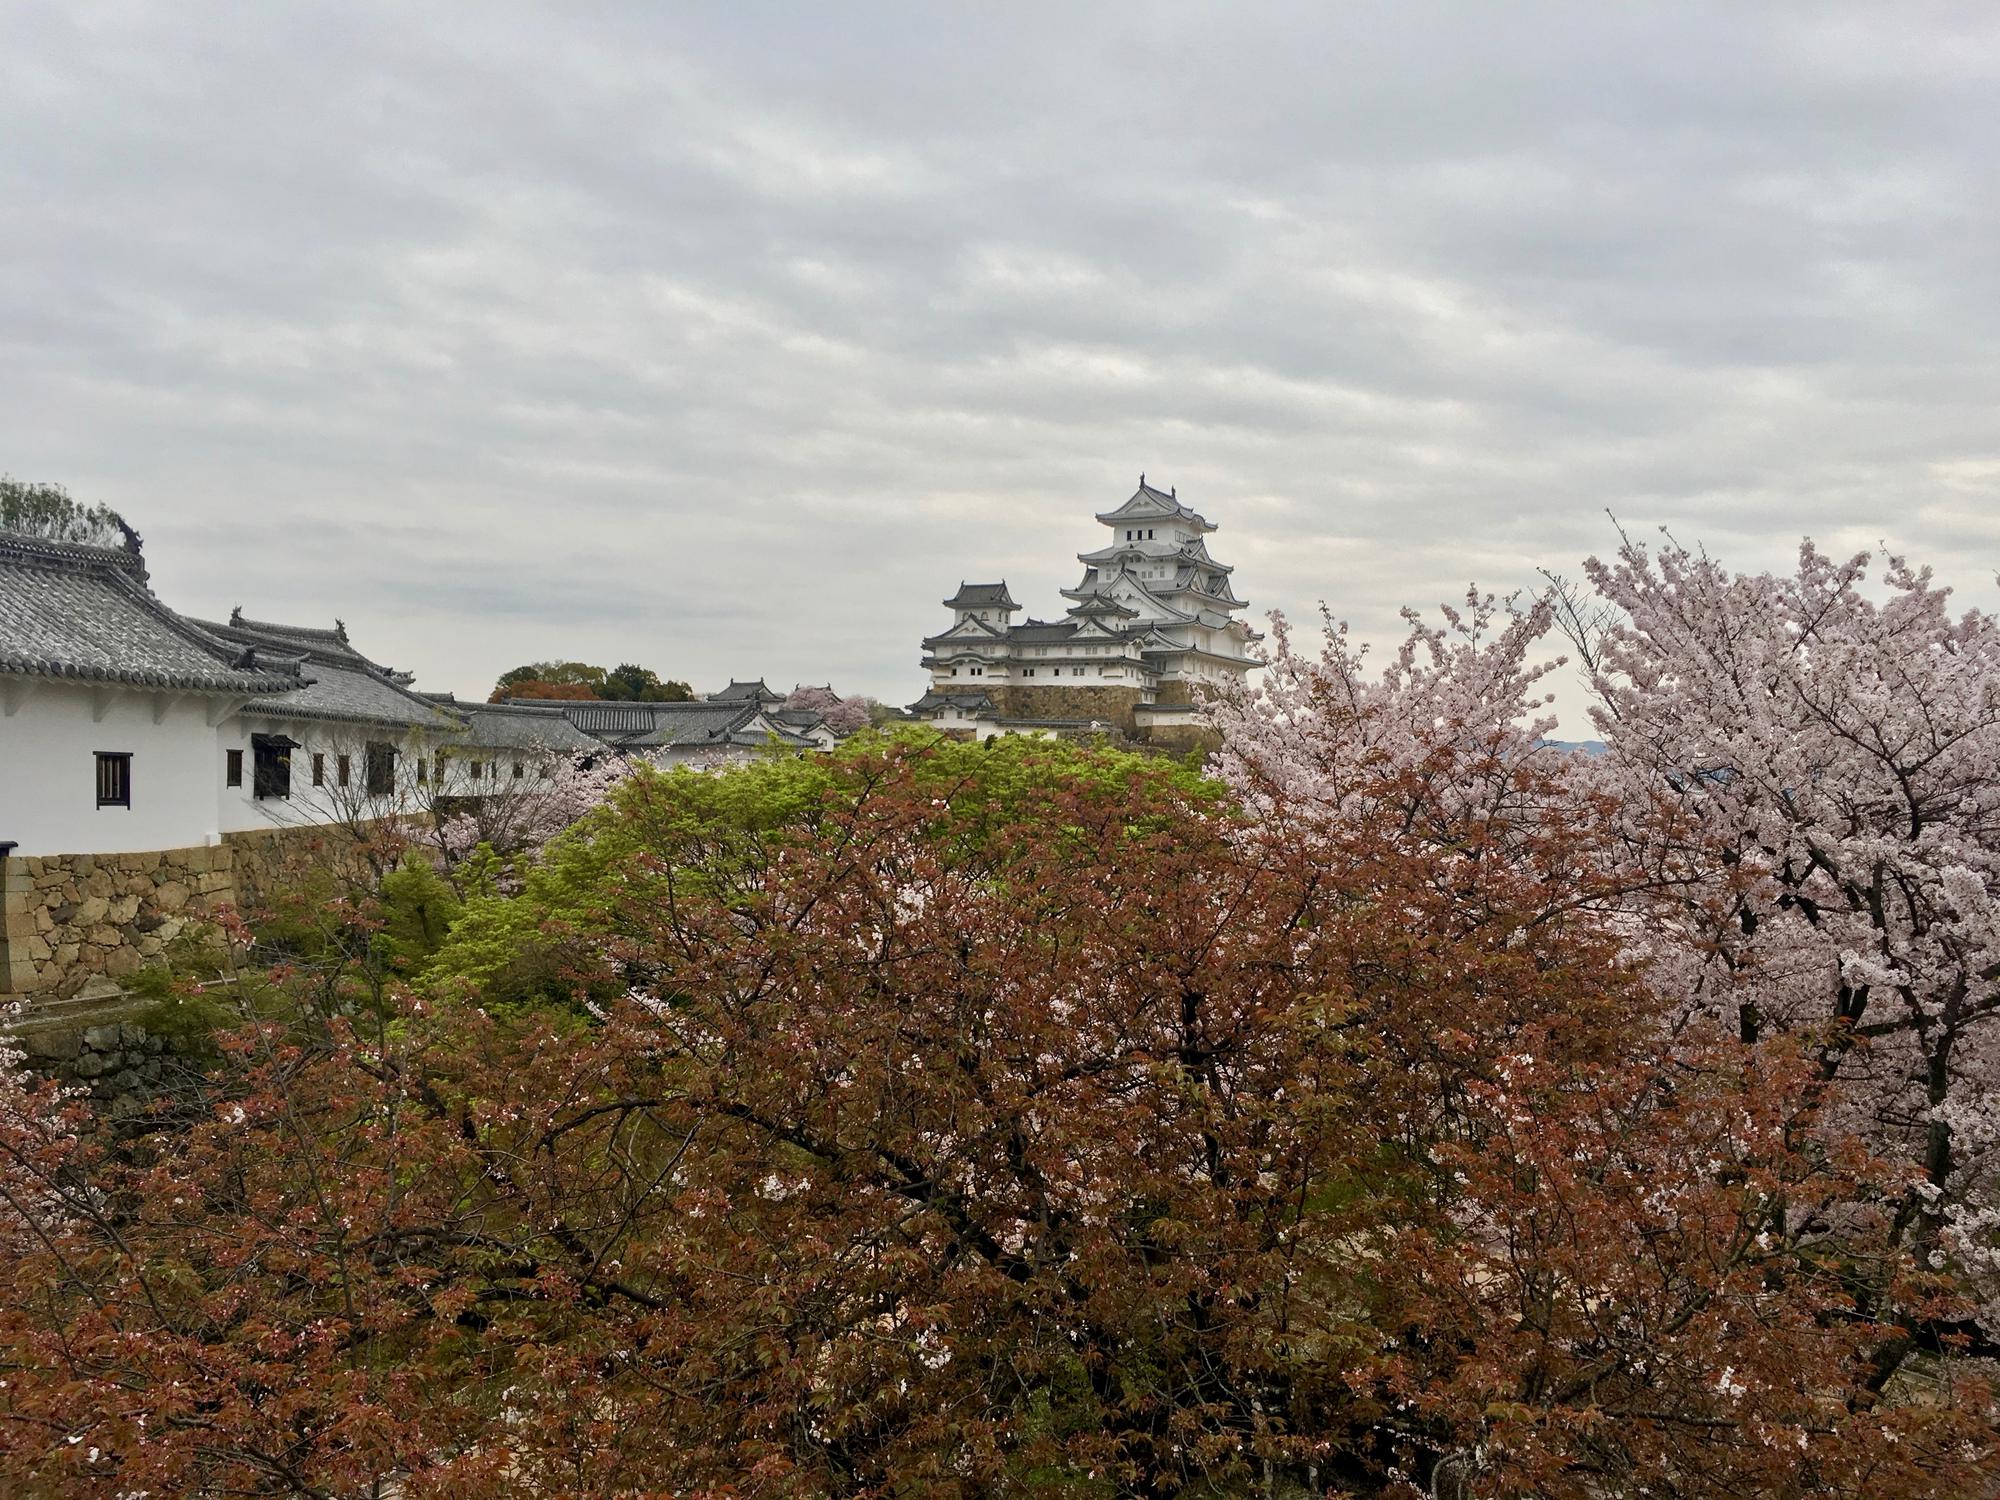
(728, 339)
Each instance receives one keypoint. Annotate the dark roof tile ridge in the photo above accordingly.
(284, 675)
(73, 554)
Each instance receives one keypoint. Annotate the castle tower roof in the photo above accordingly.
(1150, 504)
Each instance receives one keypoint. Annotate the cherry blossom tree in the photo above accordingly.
(1795, 830)
(521, 814)
(41, 1149)
(843, 715)
(1811, 770)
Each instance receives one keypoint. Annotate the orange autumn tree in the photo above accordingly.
(968, 1121)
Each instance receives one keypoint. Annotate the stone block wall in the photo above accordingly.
(69, 917)
(121, 1065)
(66, 918)
(1179, 739)
(1113, 705)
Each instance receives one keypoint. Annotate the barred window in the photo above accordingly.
(114, 778)
(232, 763)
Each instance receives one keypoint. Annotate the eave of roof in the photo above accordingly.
(978, 595)
(346, 686)
(84, 614)
(1150, 503)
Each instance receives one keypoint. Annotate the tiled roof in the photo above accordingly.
(656, 726)
(86, 614)
(974, 703)
(355, 696)
(344, 685)
(796, 718)
(758, 691)
(520, 726)
(1148, 503)
(981, 595)
(756, 738)
(1104, 604)
(1043, 631)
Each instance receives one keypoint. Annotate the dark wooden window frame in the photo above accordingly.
(232, 767)
(114, 778)
(271, 766)
(380, 766)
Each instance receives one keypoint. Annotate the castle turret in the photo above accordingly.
(982, 601)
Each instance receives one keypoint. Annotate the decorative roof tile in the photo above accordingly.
(86, 614)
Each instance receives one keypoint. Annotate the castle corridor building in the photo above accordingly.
(1153, 621)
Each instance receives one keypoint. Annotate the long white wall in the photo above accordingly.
(180, 798)
(329, 801)
(48, 769)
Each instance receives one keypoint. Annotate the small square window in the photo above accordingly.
(519, 770)
(233, 767)
(477, 768)
(114, 778)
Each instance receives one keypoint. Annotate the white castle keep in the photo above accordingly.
(1152, 622)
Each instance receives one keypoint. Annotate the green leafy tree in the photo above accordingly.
(47, 511)
(628, 682)
(633, 683)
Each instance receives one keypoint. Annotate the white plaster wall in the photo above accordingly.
(241, 809)
(48, 769)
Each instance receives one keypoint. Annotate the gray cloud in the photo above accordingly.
(728, 339)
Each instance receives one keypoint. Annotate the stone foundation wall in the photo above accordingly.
(121, 1065)
(66, 918)
(70, 917)
(1113, 705)
(1178, 739)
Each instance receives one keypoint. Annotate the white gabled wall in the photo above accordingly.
(48, 769)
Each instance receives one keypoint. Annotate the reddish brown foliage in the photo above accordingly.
(534, 687)
(1092, 1146)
